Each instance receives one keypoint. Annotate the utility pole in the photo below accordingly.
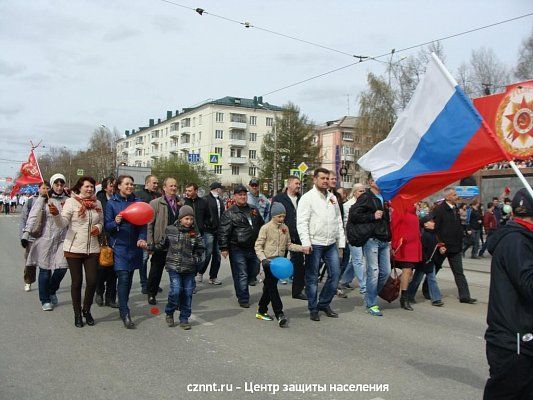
(275, 180)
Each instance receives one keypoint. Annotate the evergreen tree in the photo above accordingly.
(183, 171)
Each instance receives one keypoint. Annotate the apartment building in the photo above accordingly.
(341, 144)
(231, 127)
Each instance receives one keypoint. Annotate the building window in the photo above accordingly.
(252, 171)
(253, 120)
(235, 152)
(200, 119)
(126, 145)
(138, 152)
(269, 121)
(238, 135)
(186, 123)
(218, 169)
(235, 170)
(220, 117)
(218, 150)
(252, 154)
(347, 136)
(241, 118)
(253, 137)
(219, 134)
(347, 178)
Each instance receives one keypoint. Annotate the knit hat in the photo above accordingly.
(55, 177)
(522, 204)
(184, 211)
(277, 209)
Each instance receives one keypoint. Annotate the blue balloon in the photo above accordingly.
(281, 268)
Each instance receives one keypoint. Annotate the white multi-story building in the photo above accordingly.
(232, 127)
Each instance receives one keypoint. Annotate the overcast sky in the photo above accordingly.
(69, 66)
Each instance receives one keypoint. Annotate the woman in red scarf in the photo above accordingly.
(406, 248)
(82, 213)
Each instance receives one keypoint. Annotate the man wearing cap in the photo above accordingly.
(509, 334)
(212, 253)
(166, 209)
(238, 231)
(259, 200)
(290, 199)
(320, 227)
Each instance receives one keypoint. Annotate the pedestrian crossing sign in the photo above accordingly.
(214, 158)
(296, 172)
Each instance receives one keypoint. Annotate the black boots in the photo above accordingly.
(78, 321)
(88, 318)
(128, 323)
(98, 299)
(404, 301)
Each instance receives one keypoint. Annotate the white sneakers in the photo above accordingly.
(27, 287)
(199, 278)
(48, 307)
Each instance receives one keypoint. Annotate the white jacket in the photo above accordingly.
(319, 220)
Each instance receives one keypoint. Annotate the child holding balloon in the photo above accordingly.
(274, 241)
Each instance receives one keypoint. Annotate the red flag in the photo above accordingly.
(30, 173)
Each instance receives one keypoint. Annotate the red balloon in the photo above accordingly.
(138, 213)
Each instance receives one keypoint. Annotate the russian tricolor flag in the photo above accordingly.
(439, 138)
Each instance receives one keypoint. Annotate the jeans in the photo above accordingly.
(123, 287)
(456, 264)
(244, 268)
(355, 268)
(484, 247)
(180, 294)
(377, 256)
(298, 278)
(473, 242)
(107, 283)
(433, 286)
(157, 265)
(330, 255)
(143, 271)
(212, 253)
(49, 283)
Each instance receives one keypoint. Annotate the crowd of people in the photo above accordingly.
(354, 238)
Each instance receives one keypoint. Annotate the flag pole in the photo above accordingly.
(521, 177)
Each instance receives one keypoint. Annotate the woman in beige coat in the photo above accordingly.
(83, 215)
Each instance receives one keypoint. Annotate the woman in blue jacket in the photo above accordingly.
(127, 241)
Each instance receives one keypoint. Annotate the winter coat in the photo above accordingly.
(239, 227)
(146, 195)
(448, 227)
(124, 236)
(510, 308)
(202, 215)
(47, 250)
(319, 219)
(475, 221)
(185, 249)
(362, 223)
(429, 251)
(24, 216)
(273, 241)
(406, 243)
(290, 217)
(78, 238)
(163, 217)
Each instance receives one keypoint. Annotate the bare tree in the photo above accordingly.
(524, 66)
(487, 74)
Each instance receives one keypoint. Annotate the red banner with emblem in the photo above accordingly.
(30, 173)
(510, 116)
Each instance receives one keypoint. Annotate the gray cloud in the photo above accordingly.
(11, 69)
(9, 111)
(119, 34)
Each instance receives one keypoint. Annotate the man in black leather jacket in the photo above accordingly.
(237, 233)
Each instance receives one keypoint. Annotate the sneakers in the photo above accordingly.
(263, 316)
(244, 305)
(169, 320)
(48, 307)
(185, 325)
(283, 282)
(341, 294)
(348, 286)
(374, 311)
(215, 282)
(282, 321)
(152, 300)
(437, 303)
(54, 300)
(199, 278)
(27, 287)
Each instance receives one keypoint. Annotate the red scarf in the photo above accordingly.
(528, 225)
(85, 204)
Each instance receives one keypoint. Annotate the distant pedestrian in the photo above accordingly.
(259, 200)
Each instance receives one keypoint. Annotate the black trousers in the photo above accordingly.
(157, 265)
(76, 267)
(270, 294)
(298, 278)
(456, 264)
(511, 375)
(106, 283)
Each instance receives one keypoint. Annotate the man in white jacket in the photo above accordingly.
(320, 227)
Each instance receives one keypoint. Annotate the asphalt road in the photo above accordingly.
(431, 353)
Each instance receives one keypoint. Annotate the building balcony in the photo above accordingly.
(154, 141)
(185, 146)
(174, 134)
(237, 160)
(237, 142)
(154, 157)
(174, 151)
(237, 125)
(139, 145)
